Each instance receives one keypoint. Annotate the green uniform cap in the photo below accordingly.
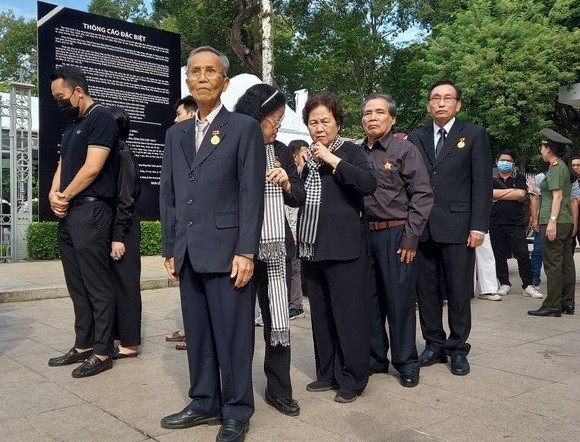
(553, 138)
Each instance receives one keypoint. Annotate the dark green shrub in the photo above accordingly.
(42, 242)
(150, 238)
(41, 239)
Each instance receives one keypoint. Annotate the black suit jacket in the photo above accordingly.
(341, 224)
(460, 181)
(212, 202)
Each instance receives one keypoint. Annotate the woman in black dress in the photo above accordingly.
(125, 249)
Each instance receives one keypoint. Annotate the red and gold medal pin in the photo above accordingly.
(387, 164)
(215, 137)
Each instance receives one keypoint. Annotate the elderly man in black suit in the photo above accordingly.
(458, 159)
(212, 204)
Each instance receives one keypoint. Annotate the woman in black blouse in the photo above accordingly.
(333, 243)
(125, 246)
(272, 270)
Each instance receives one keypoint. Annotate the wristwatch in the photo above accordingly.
(554, 218)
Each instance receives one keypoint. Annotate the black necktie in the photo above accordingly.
(440, 142)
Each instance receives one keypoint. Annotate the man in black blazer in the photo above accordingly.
(458, 159)
(212, 204)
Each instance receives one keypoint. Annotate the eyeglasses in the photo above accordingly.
(447, 99)
(210, 73)
(275, 123)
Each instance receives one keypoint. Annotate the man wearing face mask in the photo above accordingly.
(82, 197)
(506, 228)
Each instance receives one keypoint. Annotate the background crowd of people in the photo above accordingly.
(369, 229)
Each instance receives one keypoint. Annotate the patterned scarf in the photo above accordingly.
(308, 223)
(272, 251)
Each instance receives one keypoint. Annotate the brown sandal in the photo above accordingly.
(176, 336)
(181, 345)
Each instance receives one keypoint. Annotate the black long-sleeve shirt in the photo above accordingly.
(128, 191)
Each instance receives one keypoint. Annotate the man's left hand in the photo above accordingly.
(475, 239)
(406, 255)
(242, 270)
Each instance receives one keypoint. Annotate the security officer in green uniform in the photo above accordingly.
(556, 228)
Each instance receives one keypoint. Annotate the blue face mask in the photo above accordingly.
(504, 166)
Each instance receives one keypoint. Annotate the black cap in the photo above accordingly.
(553, 138)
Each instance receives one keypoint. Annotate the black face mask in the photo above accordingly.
(67, 108)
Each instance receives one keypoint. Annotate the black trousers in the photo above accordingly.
(219, 324)
(395, 292)
(505, 238)
(559, 267)
(339, 297)
(127, 286)
(455, 264)
(84, 241)
(276, 359)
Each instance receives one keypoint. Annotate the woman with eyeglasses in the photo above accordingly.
(333, 244)
(272, 272)
(556, 227)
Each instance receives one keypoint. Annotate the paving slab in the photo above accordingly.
(524, 383)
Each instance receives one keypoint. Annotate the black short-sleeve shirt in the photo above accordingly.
(96, 128)
(508, 212)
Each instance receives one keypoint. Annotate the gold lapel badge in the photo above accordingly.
(461, 143)
(215, 137)
(387, 165)
(277, 162)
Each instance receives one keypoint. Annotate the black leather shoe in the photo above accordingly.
(429, 357)
(70, 357)
(568, 309)
(187, 418)
(92, 366)
(545, 311)
(232, 430)
(409, 379)
(317, 386)
(459, 365)
(345, 396)
(287, 406)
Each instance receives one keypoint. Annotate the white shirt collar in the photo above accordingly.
(211, 116)
(447, 127)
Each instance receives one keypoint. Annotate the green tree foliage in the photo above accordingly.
(200, 23)
(127, 10)
(509, 58)
(342, 46)
(17, 49)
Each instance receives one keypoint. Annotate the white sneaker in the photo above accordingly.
(490, 296)
(504, 289)
(532, 292)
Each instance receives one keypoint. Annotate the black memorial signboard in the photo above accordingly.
(128, 65)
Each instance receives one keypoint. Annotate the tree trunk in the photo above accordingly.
(252, 58)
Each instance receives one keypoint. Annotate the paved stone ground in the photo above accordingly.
(524, 383)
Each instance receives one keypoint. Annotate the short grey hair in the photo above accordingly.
(391, 105)
(223, 58)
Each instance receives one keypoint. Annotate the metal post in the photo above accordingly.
(21, 142)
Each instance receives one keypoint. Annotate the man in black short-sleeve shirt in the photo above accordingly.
(506, 229)
(81, 196)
